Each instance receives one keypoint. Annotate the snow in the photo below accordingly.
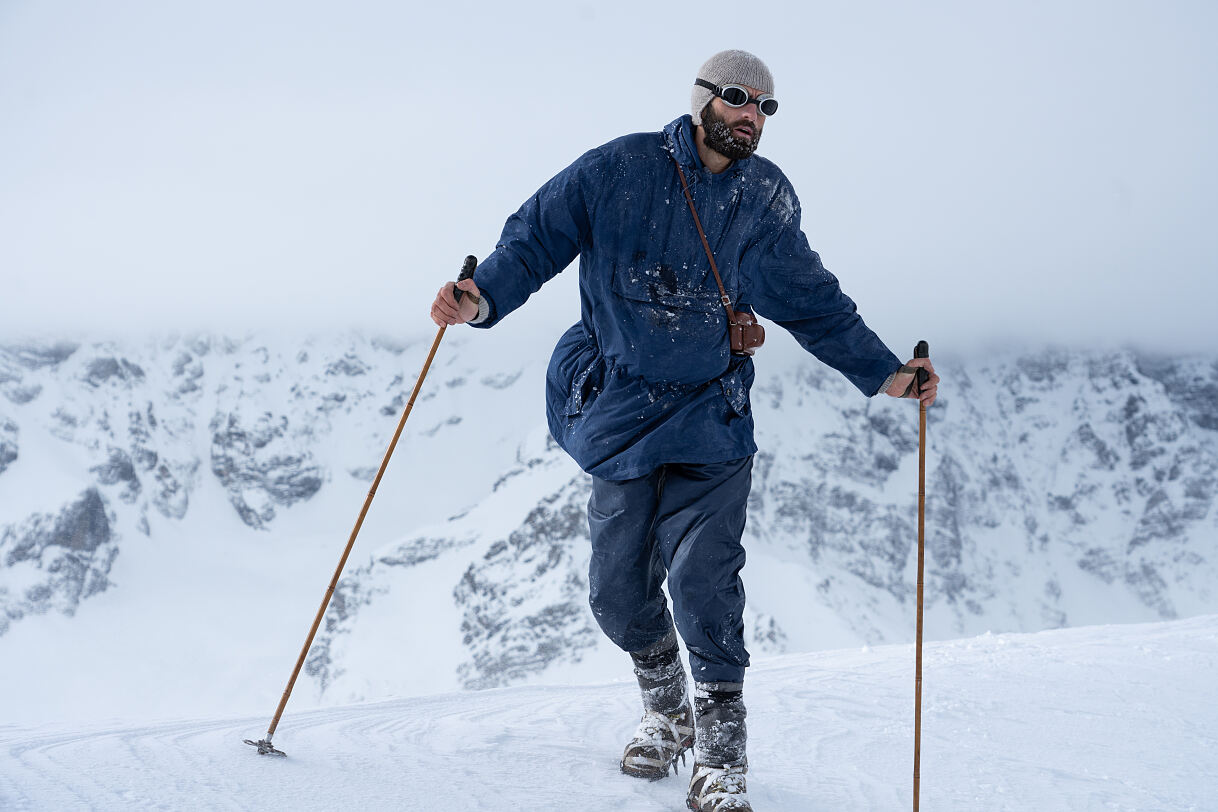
(1102, 717)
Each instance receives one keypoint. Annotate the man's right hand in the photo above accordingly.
(903, 385)
(445, 310)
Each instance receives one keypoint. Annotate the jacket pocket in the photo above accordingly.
(576, 367)
(664, 287)
(584, 387)
(671, 331)
(735, 391)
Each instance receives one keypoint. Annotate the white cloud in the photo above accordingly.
(969, 171)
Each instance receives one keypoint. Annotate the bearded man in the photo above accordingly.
(681, 235)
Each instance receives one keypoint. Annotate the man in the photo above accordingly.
(646, 395)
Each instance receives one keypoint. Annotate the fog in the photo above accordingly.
(973, 173)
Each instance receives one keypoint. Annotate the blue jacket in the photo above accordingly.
(646, 376)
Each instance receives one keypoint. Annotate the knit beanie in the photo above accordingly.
(730, 68)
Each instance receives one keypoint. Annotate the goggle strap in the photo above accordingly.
(760, 100)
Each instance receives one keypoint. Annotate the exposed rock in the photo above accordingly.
(349, 365)
(1144, 578)
(395, 406)
(526, 602)
(21, 395)
(12, 379)
(1100, 563)
(1105, 457)
(765, 635)
(257, 467)
(170, 496)
(189, 373)
(1192, 384)
(347, 598)
(8, 443)
(117, 470)
(140, 428)
(36, 356)
(101, 370)
(390, 344)
(416, 551)
(66, 558)
(502, 380)
(64, 424)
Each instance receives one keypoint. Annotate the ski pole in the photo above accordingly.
(922, 350)
(264, 745)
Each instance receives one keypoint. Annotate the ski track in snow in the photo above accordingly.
(1105, 718)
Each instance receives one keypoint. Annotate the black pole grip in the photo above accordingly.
(467, 272)
(922, 350)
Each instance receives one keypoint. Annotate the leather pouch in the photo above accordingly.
(744, 333)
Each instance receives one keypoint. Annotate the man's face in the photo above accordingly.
(733, 131)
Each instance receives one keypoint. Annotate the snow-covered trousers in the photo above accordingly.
(685, 520)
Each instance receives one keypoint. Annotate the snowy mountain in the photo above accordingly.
(1112, 718)
(195, 492)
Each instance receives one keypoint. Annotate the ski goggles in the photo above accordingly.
(737, 96)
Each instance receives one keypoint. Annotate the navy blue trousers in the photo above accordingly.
(684, 521)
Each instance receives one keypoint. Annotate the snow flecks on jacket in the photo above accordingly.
(651, 312)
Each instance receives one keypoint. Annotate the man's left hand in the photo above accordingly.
(904, 386)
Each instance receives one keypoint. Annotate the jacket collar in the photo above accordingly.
(679, 140)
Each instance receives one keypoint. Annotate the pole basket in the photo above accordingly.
(265, 748)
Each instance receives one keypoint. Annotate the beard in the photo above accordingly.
(721, 139)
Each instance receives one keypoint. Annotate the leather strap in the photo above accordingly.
(914, 389)
(723, 297)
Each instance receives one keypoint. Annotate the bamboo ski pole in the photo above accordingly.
(264, 745)
(922, 350)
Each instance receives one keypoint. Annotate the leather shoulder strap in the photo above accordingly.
(723, 297)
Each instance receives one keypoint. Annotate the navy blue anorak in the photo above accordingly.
(646, 376)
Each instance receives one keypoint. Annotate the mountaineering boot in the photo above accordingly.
(659, 741)
(718, 788)
(666, 730)
(717, 783)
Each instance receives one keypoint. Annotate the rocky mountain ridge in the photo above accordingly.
(1063, 489)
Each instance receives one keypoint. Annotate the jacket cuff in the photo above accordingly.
(887, 383)
(484, 311)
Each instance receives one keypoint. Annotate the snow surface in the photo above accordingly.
(1104, 717)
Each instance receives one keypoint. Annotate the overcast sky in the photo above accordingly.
(971, 171)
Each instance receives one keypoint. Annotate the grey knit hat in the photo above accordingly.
(730, 68)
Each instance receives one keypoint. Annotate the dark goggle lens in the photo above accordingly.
(735, 96)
